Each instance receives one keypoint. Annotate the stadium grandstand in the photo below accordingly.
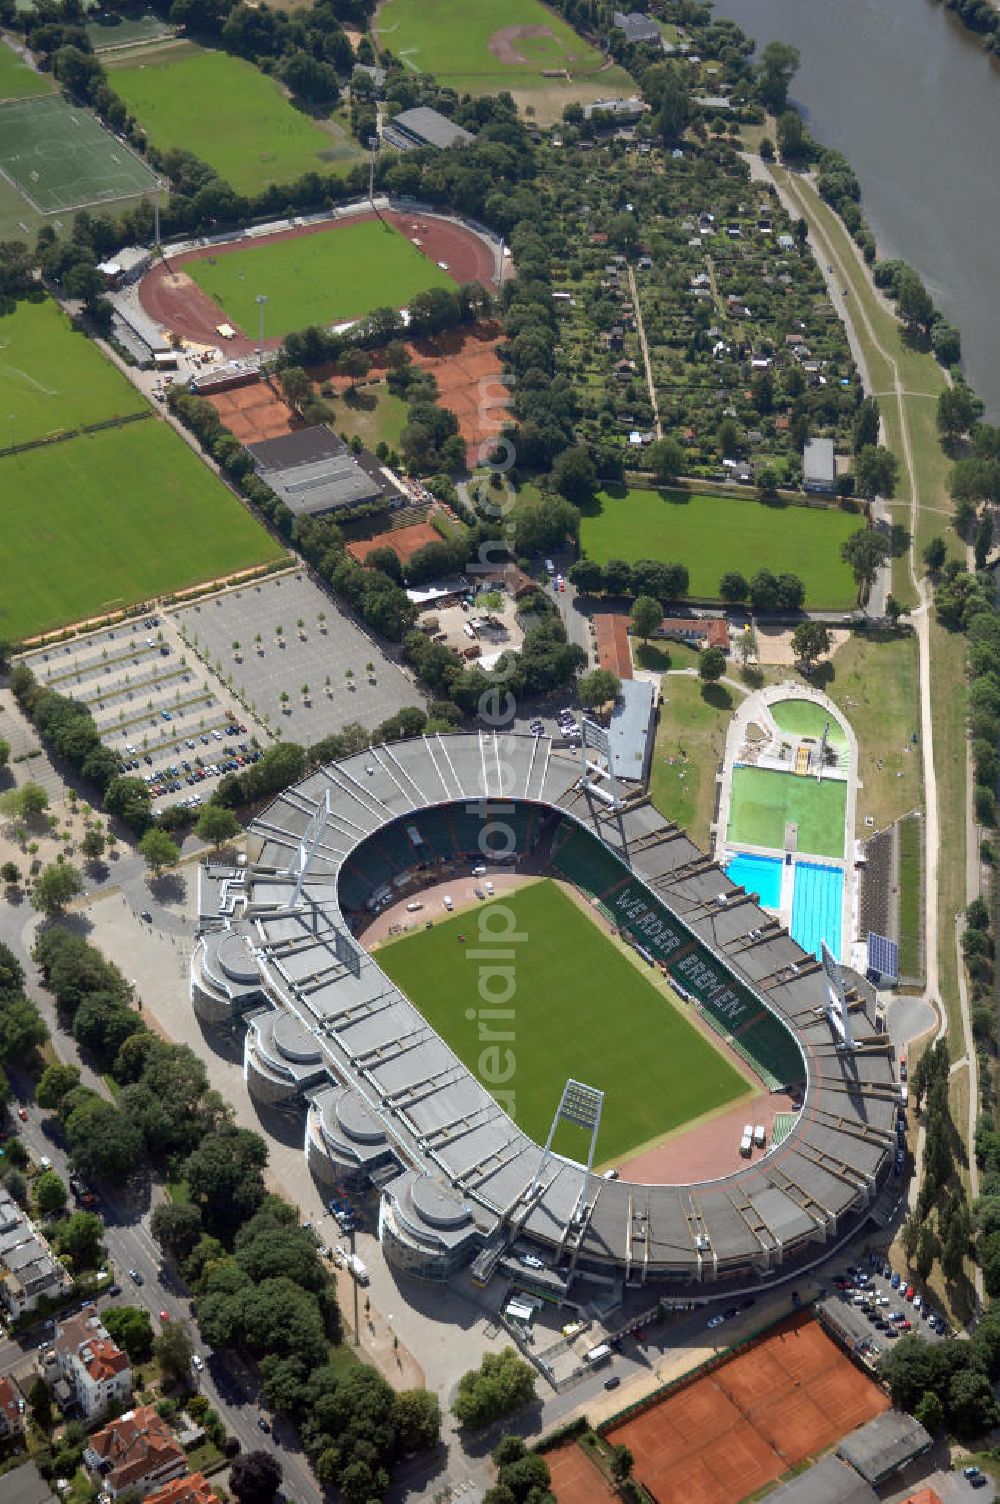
(385, 1101)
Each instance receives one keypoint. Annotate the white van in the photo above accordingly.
(448, 902)
(759, 1137)
(550, 568)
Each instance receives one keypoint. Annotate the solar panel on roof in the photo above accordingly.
(883, 957)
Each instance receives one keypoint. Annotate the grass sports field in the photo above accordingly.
(59, 157)
(229, 114)
(326, 278)
(713, 534)
(110, 518)
(764, 800)
(581, 1009)
(53, 378)
(17, 80)
(495, 44)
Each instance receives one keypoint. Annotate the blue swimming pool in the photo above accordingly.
(758, 874)
(817, 906)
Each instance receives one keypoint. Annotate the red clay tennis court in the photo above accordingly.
(404, 541)
(254, 412)
(727, 1433)
(575, 1479)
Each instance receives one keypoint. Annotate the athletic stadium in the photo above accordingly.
(386, 1103)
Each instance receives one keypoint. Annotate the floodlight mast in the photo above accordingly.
(306, 849)
(580, 1105)
(836, 1000)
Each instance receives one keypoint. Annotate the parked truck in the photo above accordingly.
(358, 1268)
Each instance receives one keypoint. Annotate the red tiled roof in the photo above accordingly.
(103, 1359)
(613, 650)
(923, 1496)
(137, 1443)
(192, 1489)
(8, 1404)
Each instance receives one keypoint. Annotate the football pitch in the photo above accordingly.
(229, 114)
(764, 800)
(324, 278)
(714, 534)
(53, 378)
(59, 157)
(96, 522)
(495, 44)
(580, 1008)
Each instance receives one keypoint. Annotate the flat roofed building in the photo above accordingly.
(819, 471)
(884, 1445)
(425, 127)
(28, 1267)
(313, 471)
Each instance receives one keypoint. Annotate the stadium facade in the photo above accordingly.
(386, 1102)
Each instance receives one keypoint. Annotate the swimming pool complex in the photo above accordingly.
(758, 874)
(817, 907)
(763, 801)
(804, 718)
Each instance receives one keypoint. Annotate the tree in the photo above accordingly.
(502, 1383)
(647, 616)
(93, 844)
(927, 1249)
(935, 554)
(51, 1194)
(176, 1226)
(10, 873)
(255, 1477)
(867, 422)
(768, 481)
(791, 136)
(217, 824)
(25, 803)
(574, 476)
(665, 458)
(866, 552)
(810, 641)
(40, 1403)
(225, 1178)
(130, 800)
(55, 886)
(711, 665)
(930, 1413)
(733, 587)
(80, 1238)
(598, 687)
(132, 1329)
(621, 1462)
(56, 1081)
(746, 645)
(958, 409)
(774, 72)
(102, 1023)
(971, 1406)
(353, 364)
(418, 1418)
(875, 472)
(173, 1348)
(104, 1145)
(158, 850)
(984, 539)
(913, 301)
(587, 575)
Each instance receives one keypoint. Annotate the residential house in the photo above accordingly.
(637, 28)
(192, 1489)
(11, 1415)
(696, 631)
(96, 1371)
(136, 1452)
(28, 1267)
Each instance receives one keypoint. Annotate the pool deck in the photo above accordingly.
(754, 711)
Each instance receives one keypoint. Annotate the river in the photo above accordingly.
(913, 102)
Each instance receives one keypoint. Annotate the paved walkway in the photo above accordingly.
(650, 385)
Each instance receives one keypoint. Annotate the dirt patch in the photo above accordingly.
(503, 43)
(404, 542)
(254, 413)
(178, 305)
(730, 1432)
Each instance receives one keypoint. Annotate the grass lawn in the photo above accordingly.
(910, 898)
(948, 668)
(228, 113)
(125, 31)
(52, 377)
(690, 741)
(713, 534)
(804, 718)
(874, 683)
(764, 801)
(99, 521)
(463, 45)
(326, 278)
(582, 1009)
(374, 416)
(17, 80)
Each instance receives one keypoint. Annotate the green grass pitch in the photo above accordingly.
(59, 157)
(228, 113)
(713, 534)
(96, 522)
(17, 80)
(52, 377)
(465, 45)
(325, 278)
(764, 800)
(581, 1009)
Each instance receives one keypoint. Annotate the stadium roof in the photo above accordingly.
(313, 471)
(884, 1445)
(428, 127)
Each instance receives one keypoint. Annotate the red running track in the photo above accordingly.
(170, 297)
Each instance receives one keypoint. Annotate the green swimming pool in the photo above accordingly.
(764, 800)
(804, 718)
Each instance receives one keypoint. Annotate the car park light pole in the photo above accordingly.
(261, 299)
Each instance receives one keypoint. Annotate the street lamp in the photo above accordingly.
(261, 300)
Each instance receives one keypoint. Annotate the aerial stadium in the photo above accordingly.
(289, 947)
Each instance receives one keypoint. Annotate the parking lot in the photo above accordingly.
(152, 703)
(295, 659)
(874, 1311)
